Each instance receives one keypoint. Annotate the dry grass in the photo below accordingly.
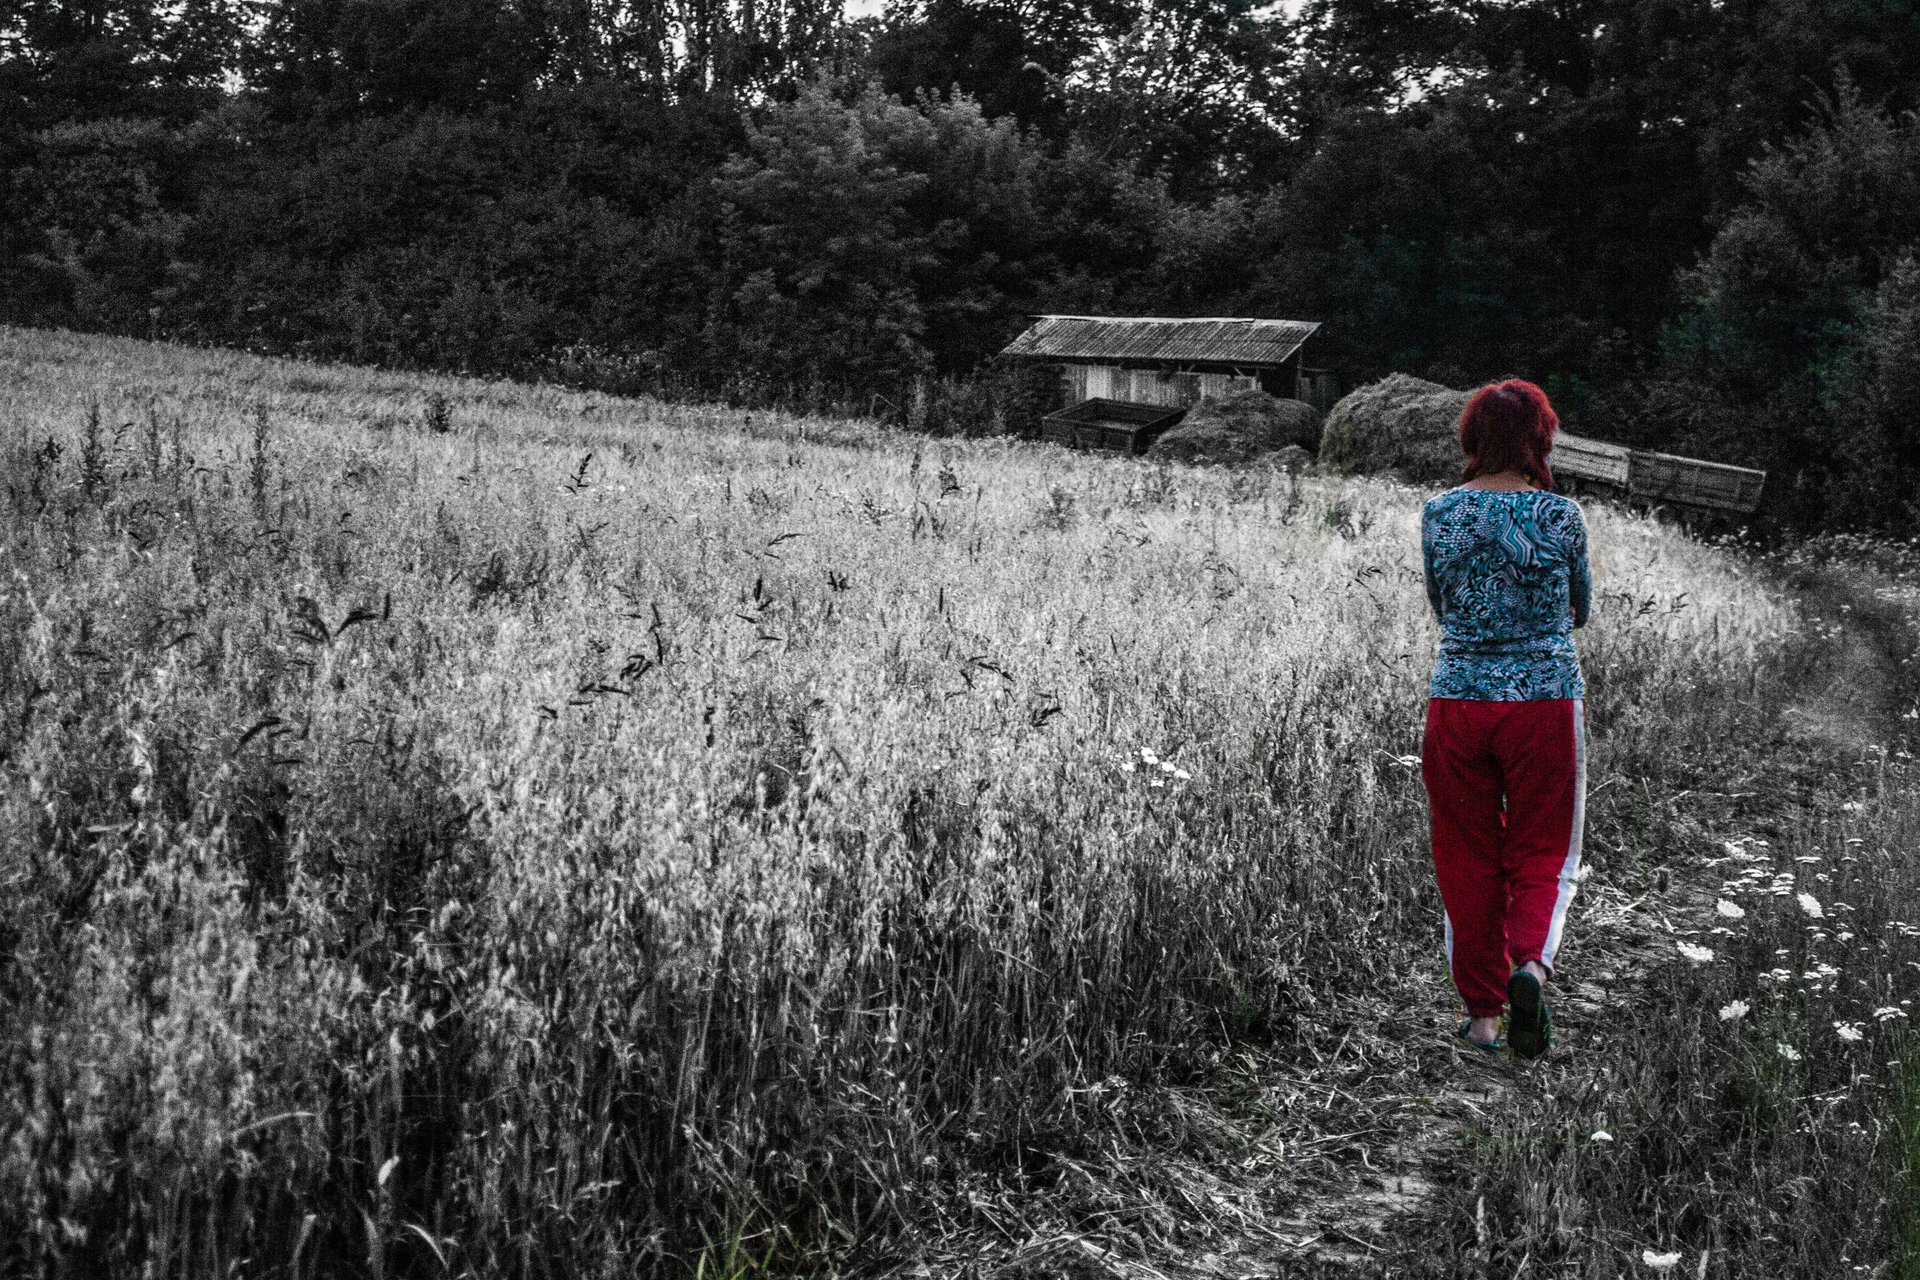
(530, 833)
(1400, 425)
(1239, 427)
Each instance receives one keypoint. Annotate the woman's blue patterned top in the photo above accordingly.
(1507, 575)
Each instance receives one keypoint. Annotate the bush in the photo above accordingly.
(1239, 427)
(1400, 424)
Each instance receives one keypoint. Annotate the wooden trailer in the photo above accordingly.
(1119, 426)
(1658, 477)
(1662, 477)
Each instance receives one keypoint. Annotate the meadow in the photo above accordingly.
(474, 829)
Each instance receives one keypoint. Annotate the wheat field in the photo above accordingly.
(464, 828)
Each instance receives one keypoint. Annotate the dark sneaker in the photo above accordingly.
(1529, 1024)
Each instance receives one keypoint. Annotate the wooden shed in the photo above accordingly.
(1173, 362)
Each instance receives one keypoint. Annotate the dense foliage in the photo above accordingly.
(1694, 220)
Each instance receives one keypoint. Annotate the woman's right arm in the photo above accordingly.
(1426, 562)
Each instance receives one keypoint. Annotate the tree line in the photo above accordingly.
(1695, 221)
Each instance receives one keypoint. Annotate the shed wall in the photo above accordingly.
(1147, 386)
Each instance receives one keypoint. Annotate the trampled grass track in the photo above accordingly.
(611, 838)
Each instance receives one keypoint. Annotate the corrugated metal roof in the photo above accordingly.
(1156, 339)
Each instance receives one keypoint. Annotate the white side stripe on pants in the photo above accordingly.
(1570, 869)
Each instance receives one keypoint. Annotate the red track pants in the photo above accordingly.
(1506, 783)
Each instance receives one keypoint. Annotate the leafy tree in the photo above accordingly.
(93, 59)
(346, 57)
(1879, 440)
(1188, 90)
(1013, 57)
(817, 276)
(1782, 322)
(754, 47)
(978, 215)
(1390, 231)
(102, 225)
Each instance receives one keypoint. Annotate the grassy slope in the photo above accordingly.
(455, 848)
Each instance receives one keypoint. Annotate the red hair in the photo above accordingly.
(1509, 426)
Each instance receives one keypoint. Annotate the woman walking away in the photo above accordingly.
(1504, 755)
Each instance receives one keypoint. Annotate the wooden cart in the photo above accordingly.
(1118, 426)
(1658, 477)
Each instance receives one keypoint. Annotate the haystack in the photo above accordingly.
(1239, 427)
(1400, 424)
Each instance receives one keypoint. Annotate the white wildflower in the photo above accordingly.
(1729, 910)
(1659, 1261)
(1168, 766)
(1183, 775)
(1148, 756)
(1811, 905)
(1695, 954)
(1734, 1011)
(1601, 1135)
(1848, 1031)
(1888, 1011)
(1787, 1051)
(1128, 767)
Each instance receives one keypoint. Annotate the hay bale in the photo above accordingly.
(1296, 423)
(1238, 427)
(1400, 424)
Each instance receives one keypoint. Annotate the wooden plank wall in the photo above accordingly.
(1318, 388)
(1146, 386)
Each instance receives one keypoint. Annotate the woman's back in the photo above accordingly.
(1507, 574)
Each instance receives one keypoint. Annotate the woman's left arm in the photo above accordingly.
(1579, 576)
